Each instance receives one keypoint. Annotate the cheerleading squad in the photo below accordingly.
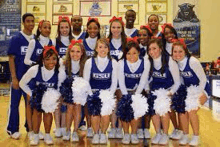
(124, 80)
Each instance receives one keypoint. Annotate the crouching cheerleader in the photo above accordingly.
(196, 92)
(43, 91)
(101, 72)
(131, 106)
(74, 89)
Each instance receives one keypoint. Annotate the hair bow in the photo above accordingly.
(47, 48)
(164, 26)
(155, 37)
(41, 23)
(60, 18)
(147, 27)
(92, 18)
(134, 39)
(181, 41)
(73, 42)
(117, 18)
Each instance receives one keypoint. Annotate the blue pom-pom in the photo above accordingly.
(37, 95)
(150, 101)
(124, 110)
(66, 91)
(178, 101)
(94, 104)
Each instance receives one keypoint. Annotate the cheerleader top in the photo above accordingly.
(143, 50)
(80, 36)
(62, 46)
(192, 72)
(169, 48)
(116, 48)
(131, 32)
(38, 75)
(89, 45)
(101, 69)
(169, 79)
(129, 74)
(75, 66)
(35, 49)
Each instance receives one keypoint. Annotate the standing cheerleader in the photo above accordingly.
(130, 17)
(77, 22)
(130, 71)
(16, 52)
(75, 60)
(43, 92)
(64, 36)
(101, 72)
(117, 39)
(92, 35)
(197, 90)
(164, 81)
(153, 22)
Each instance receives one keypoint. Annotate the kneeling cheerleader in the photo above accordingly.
(41, 83)
(101, 72)
(131, 106)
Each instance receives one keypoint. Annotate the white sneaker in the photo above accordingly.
(173, 133)
(35, 139)
(83, 128)
(126, 139)
(194, 141)
(184, 139)
(75, 137)
(66, 137)
(156, 138)
(146, 133)
(30, 135)
(103, 139)
(119, 133)
(89, 132)
(63, 131)
(95, 139)
(134, 139)
(164, 139)
(48, 139)
(15, 135)
(140, 133)
(176, 134)
(58, 132)
(111, 133)
(41, 136)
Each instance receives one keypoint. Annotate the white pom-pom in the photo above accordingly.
(162, 102)
(80, 89)
(139, 105)
(108, 102)
(50, 100)
(192, 98)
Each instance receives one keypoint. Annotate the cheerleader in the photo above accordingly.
(75, 60)
(130, 68)
(130, 17)
(36, 45)
(101, 72)
(117, 39)
(153, 22)
(16, 52)
(43, 93)
(92, 35)
(197, 90)
(77, 22)
(164, 81)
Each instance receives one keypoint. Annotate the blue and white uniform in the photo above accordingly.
(168, 48)
(143, 50)
(131, 32)
(35, 49)
(80, 36)
(62, 45)
(89, 45)
(116, 48)
(17, 48)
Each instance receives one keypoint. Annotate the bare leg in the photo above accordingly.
(36, 119)
(29, 114)
(184, 122)
(69, 116)
(172, 115)
(165, 123)
(156, 123)
(118, 95)
(105, 120)
(48, 118)
(134, 125)
(125, 126)
(95, 119)
(57, 116)
(147, 121)
(77, 116)
(194, 121)
(88, 117)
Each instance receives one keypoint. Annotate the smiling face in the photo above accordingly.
(102, 50)
(153, 22)
(178, 53)
(75, 53)
(93, 30)
(154, 50)
(77, 22)
(29, 23)
(143, 37)
(168, 34)
(64, 28)
(50, 62)
(130, 18)
(132, 55)
(45, 29)
(116, 29)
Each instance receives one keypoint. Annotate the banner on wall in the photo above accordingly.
(187, 24)
(10, 22)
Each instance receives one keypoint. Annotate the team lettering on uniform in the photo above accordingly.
(48, 85)
(134, 76)
(159, 75)
(39, 51)
(115, 52)
(63, 50)
(101, 76)
(186, 74)
(89, 53)
(24, 50)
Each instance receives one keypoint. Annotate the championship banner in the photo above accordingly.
(187, 24)
(10, 22)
